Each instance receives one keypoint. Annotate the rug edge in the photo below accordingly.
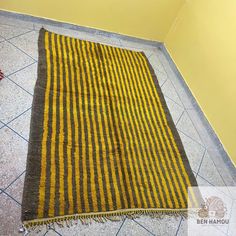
(102, 217)
(172, 125)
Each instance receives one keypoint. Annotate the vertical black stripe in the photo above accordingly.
(116, 163)
(57, 195)
(155, 104)
(62, 39)
(111, 90)
(94, 131)
(102, 98)
(122, 99)
(72, 108)
(155, 155)
(145, 121)
(77, 107)
(127, 105)
(86, 96)
(48, 157)
(81, 118)
(98, 96)
(156, 124)
(114, 137)
(112, 154)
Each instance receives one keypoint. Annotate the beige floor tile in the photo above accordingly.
(12, 59)
(131, 228)
(209, 171)
(8, 31)
(13, 152)
(28, 43)
(22, 124)
(186, 126)
(169, 90)
(16, 189)
(9, 216)
(26, 77)
(156, 225)
(13, 100)
(193, 150)
(94, 229)
(175, 109)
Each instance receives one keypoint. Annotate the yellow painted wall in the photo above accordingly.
(141, 18)
(202, 42)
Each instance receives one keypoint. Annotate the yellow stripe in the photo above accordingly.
(113, 75)
(130, 94)
(53, 135)
(163, 145)
(85, 174)
(100, 182)
(45, 133)
(75, 115)
(171, 137)
(110, 201)
(108, 135)
(124, 130)
(61, 134)
(69, 138)
(120, 81)
(91, 103)
(144, 156)
(145, 117)
(158, 147)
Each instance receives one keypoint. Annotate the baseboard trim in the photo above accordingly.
(86, 29)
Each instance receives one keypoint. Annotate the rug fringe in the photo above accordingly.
(102, 217)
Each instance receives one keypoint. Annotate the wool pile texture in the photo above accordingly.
(102, 140)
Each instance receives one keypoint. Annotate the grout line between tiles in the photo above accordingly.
(21, 69)
(17, 35)
(194, 125)
(233, 202)
(179, 118)
(18, 85)
(21, 50)
(174, 101)
(15, 132)
(205, 179)
(143, 227)
(17, 116)
(203, 156)
(121, 226)
(218, 171)
(11, 197)
(190, 137)
(177, 231)
(163, 83)
(45, 233)
(9, 185)
(54, 231)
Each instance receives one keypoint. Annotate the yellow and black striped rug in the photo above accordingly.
(102, 141)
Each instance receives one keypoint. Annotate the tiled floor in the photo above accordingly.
(18, 60)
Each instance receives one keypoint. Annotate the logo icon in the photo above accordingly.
(213, 207)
